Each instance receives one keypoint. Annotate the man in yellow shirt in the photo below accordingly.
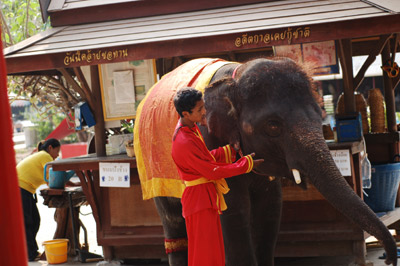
(30, 177)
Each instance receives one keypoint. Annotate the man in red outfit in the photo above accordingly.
(203, 172)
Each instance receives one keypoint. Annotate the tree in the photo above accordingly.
(19, 21)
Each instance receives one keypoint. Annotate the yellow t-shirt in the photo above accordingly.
(30, 171)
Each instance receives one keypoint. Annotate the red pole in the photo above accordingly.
(12, 231)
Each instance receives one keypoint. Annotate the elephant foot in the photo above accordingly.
(179, 258)
(177, 251)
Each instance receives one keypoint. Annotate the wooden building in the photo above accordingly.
(93, 32)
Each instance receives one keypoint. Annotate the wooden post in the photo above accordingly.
(345, 56)
(389, 92)
(376, 50)
(64, 227)
(99, 128)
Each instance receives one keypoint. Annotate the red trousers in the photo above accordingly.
(205, 242)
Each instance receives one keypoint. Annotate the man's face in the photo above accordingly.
(198, 114)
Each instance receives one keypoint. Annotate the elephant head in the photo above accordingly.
(269, 108)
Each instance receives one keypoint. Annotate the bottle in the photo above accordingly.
(366, 172)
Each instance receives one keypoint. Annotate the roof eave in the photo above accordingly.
(135, 9)
(320, 32)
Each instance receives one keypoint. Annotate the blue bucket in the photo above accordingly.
(385, 180)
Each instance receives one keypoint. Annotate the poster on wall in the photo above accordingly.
(321, 55)
(124, 85)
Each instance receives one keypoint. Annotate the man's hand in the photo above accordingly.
(256, 162)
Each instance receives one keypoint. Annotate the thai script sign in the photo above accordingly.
(287, 35)
(114, 174)
(342, 160)
(92, 56)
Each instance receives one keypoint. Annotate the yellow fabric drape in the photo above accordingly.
(220, 185)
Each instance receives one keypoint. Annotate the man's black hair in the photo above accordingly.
(186, 99)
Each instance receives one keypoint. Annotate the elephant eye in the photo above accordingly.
(273, 128)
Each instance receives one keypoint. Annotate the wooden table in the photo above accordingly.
(127, 226)
(58, 198)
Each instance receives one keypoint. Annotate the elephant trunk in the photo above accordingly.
(327, 178)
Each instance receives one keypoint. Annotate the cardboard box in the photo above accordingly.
(117, 142)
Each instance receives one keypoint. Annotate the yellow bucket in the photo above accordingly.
(56, 250)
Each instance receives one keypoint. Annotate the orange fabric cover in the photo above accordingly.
(155, 123)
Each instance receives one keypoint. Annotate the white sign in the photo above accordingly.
(114, 174)
(342, 160)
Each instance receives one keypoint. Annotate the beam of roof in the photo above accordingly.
(389, 5)
(32, 40)
(44, 4)
(58, 5)
(203, 31)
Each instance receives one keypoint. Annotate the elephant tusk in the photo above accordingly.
(296, 175)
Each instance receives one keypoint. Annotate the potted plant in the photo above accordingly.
(129, 148)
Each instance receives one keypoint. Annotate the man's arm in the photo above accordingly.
(225, 154)
(207, 167)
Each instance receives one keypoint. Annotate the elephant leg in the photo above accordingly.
(235, 223)
(170, 211)
(266, 209)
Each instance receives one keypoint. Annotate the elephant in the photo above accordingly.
(268, 107)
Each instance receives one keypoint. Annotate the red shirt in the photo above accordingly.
(194, 161)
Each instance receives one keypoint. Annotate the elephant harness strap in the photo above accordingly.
(220, 185)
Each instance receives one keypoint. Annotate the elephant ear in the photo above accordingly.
(222, 112)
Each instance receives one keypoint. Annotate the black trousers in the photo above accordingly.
(32, 222)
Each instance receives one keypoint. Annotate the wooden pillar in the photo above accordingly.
(360, 252)
(64, 227)
(389, 92)
(346, 61)
(99, 128)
